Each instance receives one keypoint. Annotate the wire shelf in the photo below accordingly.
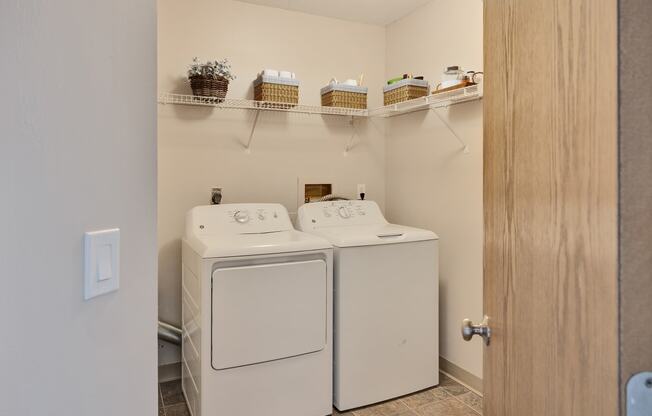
(432, 102)
(443, 99)
(229, 103)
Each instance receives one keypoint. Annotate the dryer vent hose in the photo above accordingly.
(331, 197)
(169, 333)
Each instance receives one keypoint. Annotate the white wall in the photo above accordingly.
(203, 147)
(77, 153)
(430, 182)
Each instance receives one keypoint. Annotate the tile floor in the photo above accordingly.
(170, 399)
(448, 399)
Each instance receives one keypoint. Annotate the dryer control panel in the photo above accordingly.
(244, 215)
(238, 219)
(339, 213)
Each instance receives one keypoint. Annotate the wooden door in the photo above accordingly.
(550, 194)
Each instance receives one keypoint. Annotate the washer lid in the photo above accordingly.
(367, 235)
(355, 223)
(209, 246)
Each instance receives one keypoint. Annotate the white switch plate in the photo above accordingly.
(101, 262)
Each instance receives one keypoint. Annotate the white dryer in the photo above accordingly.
(257, 314)
(386, 302)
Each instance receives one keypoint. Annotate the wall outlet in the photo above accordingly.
(361, 189)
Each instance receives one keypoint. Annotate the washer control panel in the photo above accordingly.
(343, 210)
(238, 219)
(340, 213)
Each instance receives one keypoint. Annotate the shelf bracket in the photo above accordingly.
(251, 133)
(465, 147)
(349, 142)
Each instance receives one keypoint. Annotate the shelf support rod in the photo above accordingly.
(251, 133)
(459, 139)
(349, 143)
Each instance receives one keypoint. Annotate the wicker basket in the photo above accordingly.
(276, 91)
(206, 87)
(347, 96)
(407, 89)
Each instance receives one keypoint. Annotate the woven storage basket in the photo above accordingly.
(276, 90)
(404, 90)
(206, 87)
(347, 96)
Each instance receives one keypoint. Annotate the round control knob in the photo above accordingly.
(344, 213)
(241, 217)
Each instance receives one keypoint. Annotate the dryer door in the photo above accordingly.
(268, 312)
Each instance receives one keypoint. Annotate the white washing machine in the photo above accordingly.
(257, 314)
(386, 302)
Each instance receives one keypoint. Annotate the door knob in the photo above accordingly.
(469, 330)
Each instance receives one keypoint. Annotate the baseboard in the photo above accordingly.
(169, 372)
(463, 376)
(172, 371)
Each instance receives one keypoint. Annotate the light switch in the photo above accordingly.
(101, 262)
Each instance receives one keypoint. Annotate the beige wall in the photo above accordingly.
(430, 182)
(77, 153)
(202, 147)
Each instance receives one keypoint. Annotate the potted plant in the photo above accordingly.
(210, 79)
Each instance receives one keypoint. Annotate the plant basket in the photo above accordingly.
(208, 87)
